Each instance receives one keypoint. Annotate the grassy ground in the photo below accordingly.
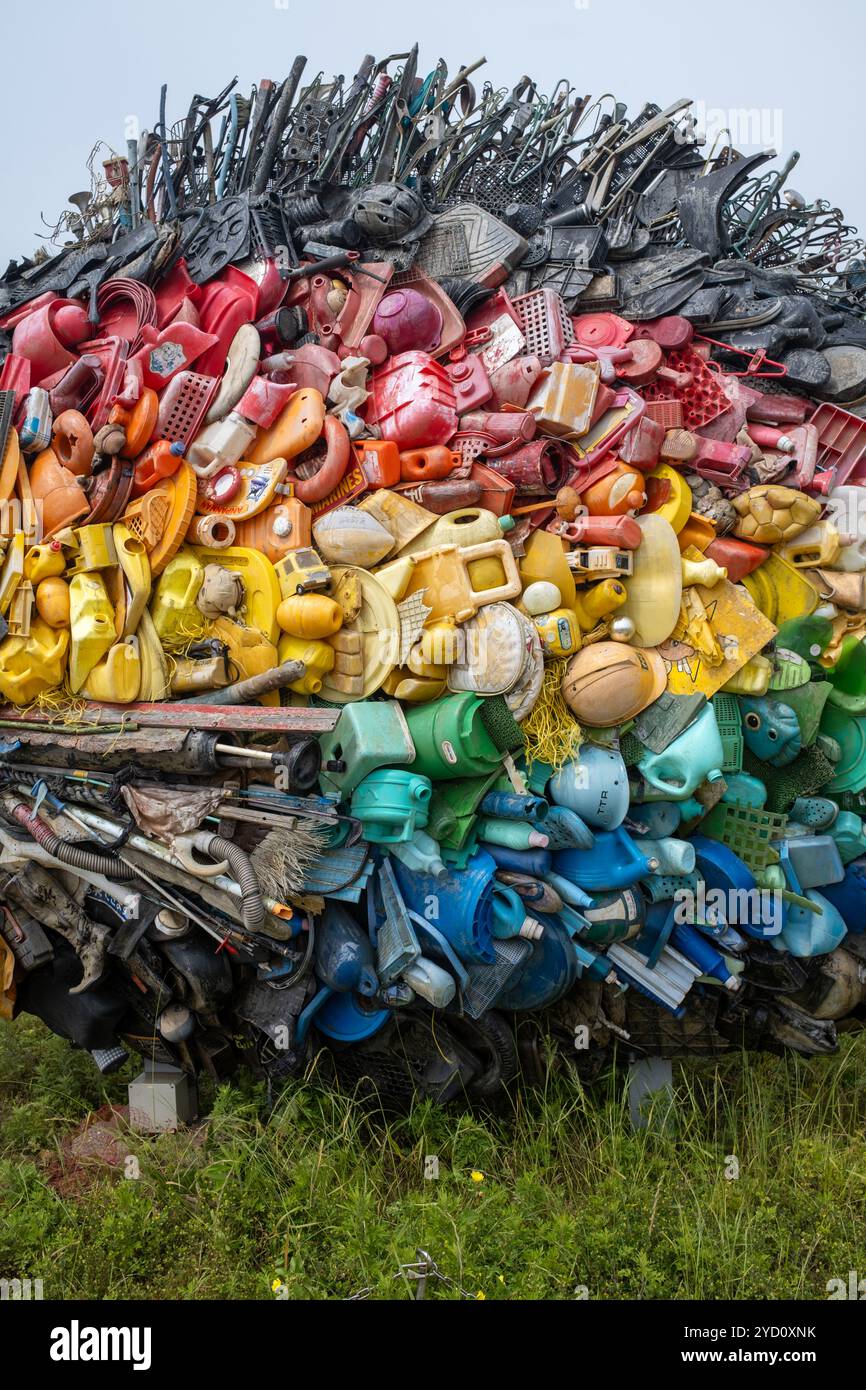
(325, 1203)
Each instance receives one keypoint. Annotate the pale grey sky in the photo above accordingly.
(76, 71)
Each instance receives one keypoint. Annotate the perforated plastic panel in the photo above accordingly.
(747, 831)
(666, 412)
(727, 712)
(546, 324)
(702, 400)
(184, 404)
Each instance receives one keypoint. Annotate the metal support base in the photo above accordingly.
(650, 1092)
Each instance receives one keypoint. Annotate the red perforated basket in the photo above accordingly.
(546, 324)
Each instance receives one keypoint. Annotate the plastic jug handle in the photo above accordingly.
(502, 551)
(182, 855)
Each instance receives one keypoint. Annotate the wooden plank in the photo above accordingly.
(250, 719)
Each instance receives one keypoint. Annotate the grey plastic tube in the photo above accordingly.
(74, 855)
(252, 902)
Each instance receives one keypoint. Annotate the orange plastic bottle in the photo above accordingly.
(160, 460)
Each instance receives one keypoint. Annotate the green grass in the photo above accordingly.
(329, 1201)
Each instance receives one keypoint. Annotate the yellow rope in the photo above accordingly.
(552, 733)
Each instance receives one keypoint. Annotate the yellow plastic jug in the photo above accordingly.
(92, 623)
(318, 657)
(44, 561)
(30, 665)
(176, 618)
(116, 678)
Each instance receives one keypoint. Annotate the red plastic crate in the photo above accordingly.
(841, 448)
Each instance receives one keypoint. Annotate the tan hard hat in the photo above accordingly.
(610, 682)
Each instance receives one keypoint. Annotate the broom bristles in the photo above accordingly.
(282, 857)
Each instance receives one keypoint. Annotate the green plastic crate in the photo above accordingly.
(726, 708)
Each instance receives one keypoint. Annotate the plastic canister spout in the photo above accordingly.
(421, 855)
(671, 856)
(392, 804)
(318, 657)
(508, 917)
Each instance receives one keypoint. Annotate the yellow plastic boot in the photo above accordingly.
(92, 623)
(30, 665)
(116, 679)
(318, 657)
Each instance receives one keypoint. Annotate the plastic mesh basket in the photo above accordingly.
(747, 831)
(546, 325)
(727, 711)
